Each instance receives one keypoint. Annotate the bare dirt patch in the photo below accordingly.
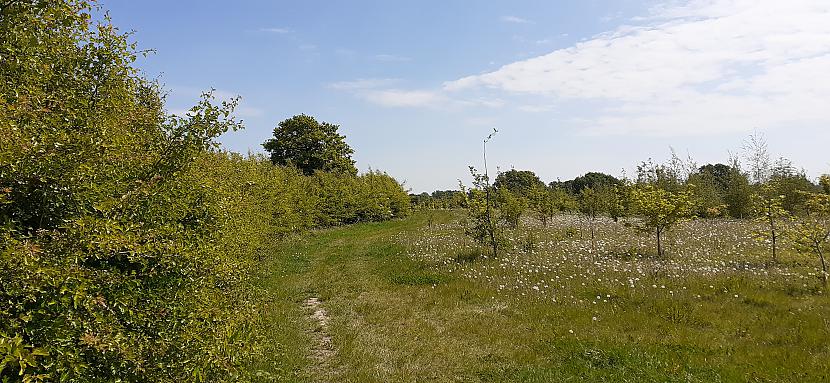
(322, 349)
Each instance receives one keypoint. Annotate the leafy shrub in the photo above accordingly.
(126, 238)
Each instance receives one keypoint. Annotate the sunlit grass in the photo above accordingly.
(412, 301)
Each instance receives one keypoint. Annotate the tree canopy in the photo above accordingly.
(310, 145)
(593, 180)
(520, 182)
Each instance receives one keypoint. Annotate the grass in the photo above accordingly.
(414, 301)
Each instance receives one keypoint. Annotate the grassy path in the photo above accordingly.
(343, 270)
(390, 318)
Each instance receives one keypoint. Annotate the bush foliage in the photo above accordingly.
(126, 236)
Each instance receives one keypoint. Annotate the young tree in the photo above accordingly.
(708, 195)
(591, 206)
(310, 146)
(738, 192)
(542, 203)
(824, 182)
(769, 210)
(792, 183)
(548, 201)
(757, 156)
(681, 168)
(662, 176)
(511, 207)
(616, 200)
(660, 209)
(812, 230)
(482, 223)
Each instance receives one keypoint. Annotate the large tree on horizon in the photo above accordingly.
(520, 182)
(310, 145)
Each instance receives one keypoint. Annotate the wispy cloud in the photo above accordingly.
(388, 92)
(280, 31)
(383, 91)
(703, 66)
(515, 20)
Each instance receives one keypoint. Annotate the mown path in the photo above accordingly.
(324, 290)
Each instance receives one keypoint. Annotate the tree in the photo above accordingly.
(709, 192)
(663, 176)
(755, 151)
(769, 210)
(548, 201)
(721, 189)
(109, 236)
(481, 223)
(791, 183)
(660, 209)
(738, 192)
(594, 180)
(511, 207)
(482, 220)
(591, 206)
(616, 200)
(309, 145)
(812, 230)
(519, 182)
(824, 181)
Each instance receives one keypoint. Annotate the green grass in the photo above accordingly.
(412, 303)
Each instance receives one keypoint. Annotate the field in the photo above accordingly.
(414, 301)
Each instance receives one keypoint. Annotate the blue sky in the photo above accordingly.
(572, 86)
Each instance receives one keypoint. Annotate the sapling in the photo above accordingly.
(591, 206)
(769, 211)
(660, 209)
(812, 229)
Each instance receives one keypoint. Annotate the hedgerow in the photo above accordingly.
(127, 238)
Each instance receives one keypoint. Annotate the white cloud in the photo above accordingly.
(381, 91)
(280, 31)
(384, 92)
(700, 66)
(515, 20)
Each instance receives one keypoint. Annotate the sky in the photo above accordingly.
(571, 86)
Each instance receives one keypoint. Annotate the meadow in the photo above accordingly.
(416, 300)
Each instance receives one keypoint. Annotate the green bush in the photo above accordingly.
(126, 239)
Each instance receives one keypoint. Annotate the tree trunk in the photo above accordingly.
(774, 236)
(593, 240)
(823, 265)
(659, 243)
